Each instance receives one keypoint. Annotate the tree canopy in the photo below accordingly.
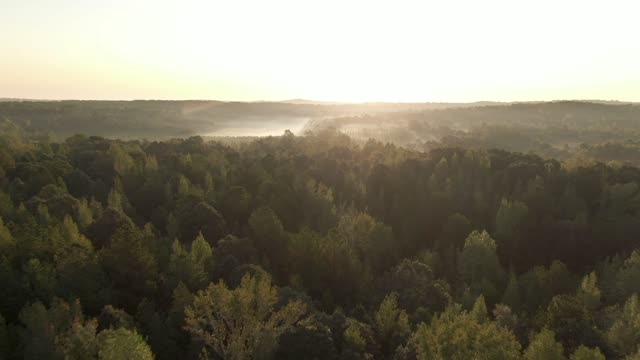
(312, 247)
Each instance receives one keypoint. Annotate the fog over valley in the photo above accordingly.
(319, 180)
(597, 130)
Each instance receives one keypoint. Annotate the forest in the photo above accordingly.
(161, 120)
(474, 237)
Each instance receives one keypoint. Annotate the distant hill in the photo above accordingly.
(310, 102)
(18, 99)
(158, 119)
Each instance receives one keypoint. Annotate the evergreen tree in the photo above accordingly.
(544, 346)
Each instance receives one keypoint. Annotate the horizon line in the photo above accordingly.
(303, 101)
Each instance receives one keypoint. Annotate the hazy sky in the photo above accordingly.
(325, 50)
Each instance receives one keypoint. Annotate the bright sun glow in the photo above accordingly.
(323, 50)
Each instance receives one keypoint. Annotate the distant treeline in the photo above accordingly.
(601, 131)
(167, 119)
(564, 130)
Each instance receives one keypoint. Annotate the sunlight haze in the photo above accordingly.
(323, 50)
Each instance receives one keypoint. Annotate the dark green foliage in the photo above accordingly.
(543, 346)
(105, 243)
(571, 322)
(419, 292)
(130, 267)
(195, 216)
(310, 339)
(456, 334)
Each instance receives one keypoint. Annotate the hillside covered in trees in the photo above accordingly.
(315, 247)
(565, 130)
(157, 120)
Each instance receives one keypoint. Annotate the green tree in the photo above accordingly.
(195, 216)
(184, 268)
(130, 266)
(114, 318)
(172, 227)
(450, 241)
(38, 337)
(71, 238)
(268, 236)
(624, 335)
(59, 332)
(180, 299)
(359, 342)
(628, 277)
(122, 161)
(635, 356)
(122, 343)
(236, 204)
(511, 296)
(457, 335)
(479, 310)
(585, 353)
(391, 325)
(201, 252)
(114, 201)
(372, 241)
(418, 290)
(5, 345)
(79, 342)
(310, 339)
(79, 272)
(539, 285)
(84, 213)
(544, 346)
(453, 233)
(479, 266)
(40, 279)
(571, 322)
(504, 317)
(509, 219)
(589, 293)
(241, 323)
(182, 188)
(329, 269)
(509, 216)
(7, 243)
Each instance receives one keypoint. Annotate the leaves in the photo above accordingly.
(457, 335)
(122, 343)
(240, 323)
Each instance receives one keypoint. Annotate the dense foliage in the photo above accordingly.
(313, 247)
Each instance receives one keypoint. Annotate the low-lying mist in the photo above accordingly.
(602, 131)
(258, 127)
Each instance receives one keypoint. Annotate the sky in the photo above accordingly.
(331, 50)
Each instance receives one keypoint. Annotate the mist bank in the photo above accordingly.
(589, 130)
(599, 131)
(167, 119)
